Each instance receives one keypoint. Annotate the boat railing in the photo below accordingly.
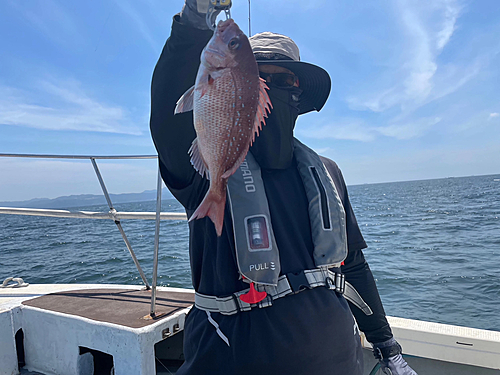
(112, 214)
(120, 215)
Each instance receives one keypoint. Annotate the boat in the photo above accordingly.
(85, 329)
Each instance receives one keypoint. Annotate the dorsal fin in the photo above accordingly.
(263, 108)
(197, 159)
(185, 103)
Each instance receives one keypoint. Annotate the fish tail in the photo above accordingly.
(212, 206)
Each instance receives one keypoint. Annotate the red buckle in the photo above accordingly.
(253, 296)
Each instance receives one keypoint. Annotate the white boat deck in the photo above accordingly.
(61, 338)
(76, 329)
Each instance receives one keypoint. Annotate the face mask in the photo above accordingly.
(273, 148)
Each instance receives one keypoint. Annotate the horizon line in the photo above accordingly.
(154, 190)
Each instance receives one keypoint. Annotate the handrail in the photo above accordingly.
(112, 214)
(43, 156)
(91, 214)
(152, 312)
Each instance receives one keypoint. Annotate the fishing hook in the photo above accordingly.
(214, 8)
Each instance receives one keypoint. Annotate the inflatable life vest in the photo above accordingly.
(256, 251)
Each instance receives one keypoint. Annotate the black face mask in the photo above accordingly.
(273, 148)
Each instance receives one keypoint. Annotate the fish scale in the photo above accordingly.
(217, 111)
(229, 103)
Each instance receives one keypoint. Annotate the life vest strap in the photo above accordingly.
(292, 283)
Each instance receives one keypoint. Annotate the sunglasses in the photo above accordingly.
(281, 80)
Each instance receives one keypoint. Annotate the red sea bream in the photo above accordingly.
(230, 103)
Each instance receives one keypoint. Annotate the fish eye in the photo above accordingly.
(233, 43)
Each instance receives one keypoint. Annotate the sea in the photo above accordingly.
(433, 248)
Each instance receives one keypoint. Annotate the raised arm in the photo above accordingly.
(175, 72)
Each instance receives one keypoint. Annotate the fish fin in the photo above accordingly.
(236, 165)
(197, 159)
(205, 81)
(263, 108)
(213, 207)
(185, 103)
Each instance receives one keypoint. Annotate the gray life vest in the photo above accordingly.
(256, 251)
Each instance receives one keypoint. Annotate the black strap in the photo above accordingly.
(298, 281)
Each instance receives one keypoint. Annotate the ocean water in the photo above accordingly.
(433, 247)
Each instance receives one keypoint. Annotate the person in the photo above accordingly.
(308, 329)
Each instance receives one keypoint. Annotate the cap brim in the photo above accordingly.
(313, 80)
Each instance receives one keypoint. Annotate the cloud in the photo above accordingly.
(323, 150)
(52, 20)
(356, 130)
(439, 162)
(410, 130)
(494, 114)
(347, 129)
(141, 25)
(454, 77)
(420, 62)
(66, 107)
(54, 178)
(451, 13)
(291, 6)
(410, 80)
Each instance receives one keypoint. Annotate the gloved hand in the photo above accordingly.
(194, 12)
(391, 361)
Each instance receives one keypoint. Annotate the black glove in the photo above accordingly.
(194, 12)
(391, 361)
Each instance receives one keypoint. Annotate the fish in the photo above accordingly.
(230, 103)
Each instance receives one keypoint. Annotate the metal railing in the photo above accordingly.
(112, 214)
(91, 215)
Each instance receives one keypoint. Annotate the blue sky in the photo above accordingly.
(415, 87)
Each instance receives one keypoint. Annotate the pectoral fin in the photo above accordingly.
(185, 103)
(197, 159)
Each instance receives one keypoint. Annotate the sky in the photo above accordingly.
(415, 87)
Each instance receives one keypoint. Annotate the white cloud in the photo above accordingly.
(141, 25)
(323, 150)
(54, 178)
(409, 130)
(451, 13)
(52, 20)
(425, 28)
(454, 77)
(420, 164)
(357, 130)
(291, 5)
(420, 63)
(352, 130)
(66, 107)
(494, 114)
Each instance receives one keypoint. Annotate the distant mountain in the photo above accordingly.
(87, 200)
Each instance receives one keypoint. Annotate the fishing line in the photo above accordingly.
(249, 21)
